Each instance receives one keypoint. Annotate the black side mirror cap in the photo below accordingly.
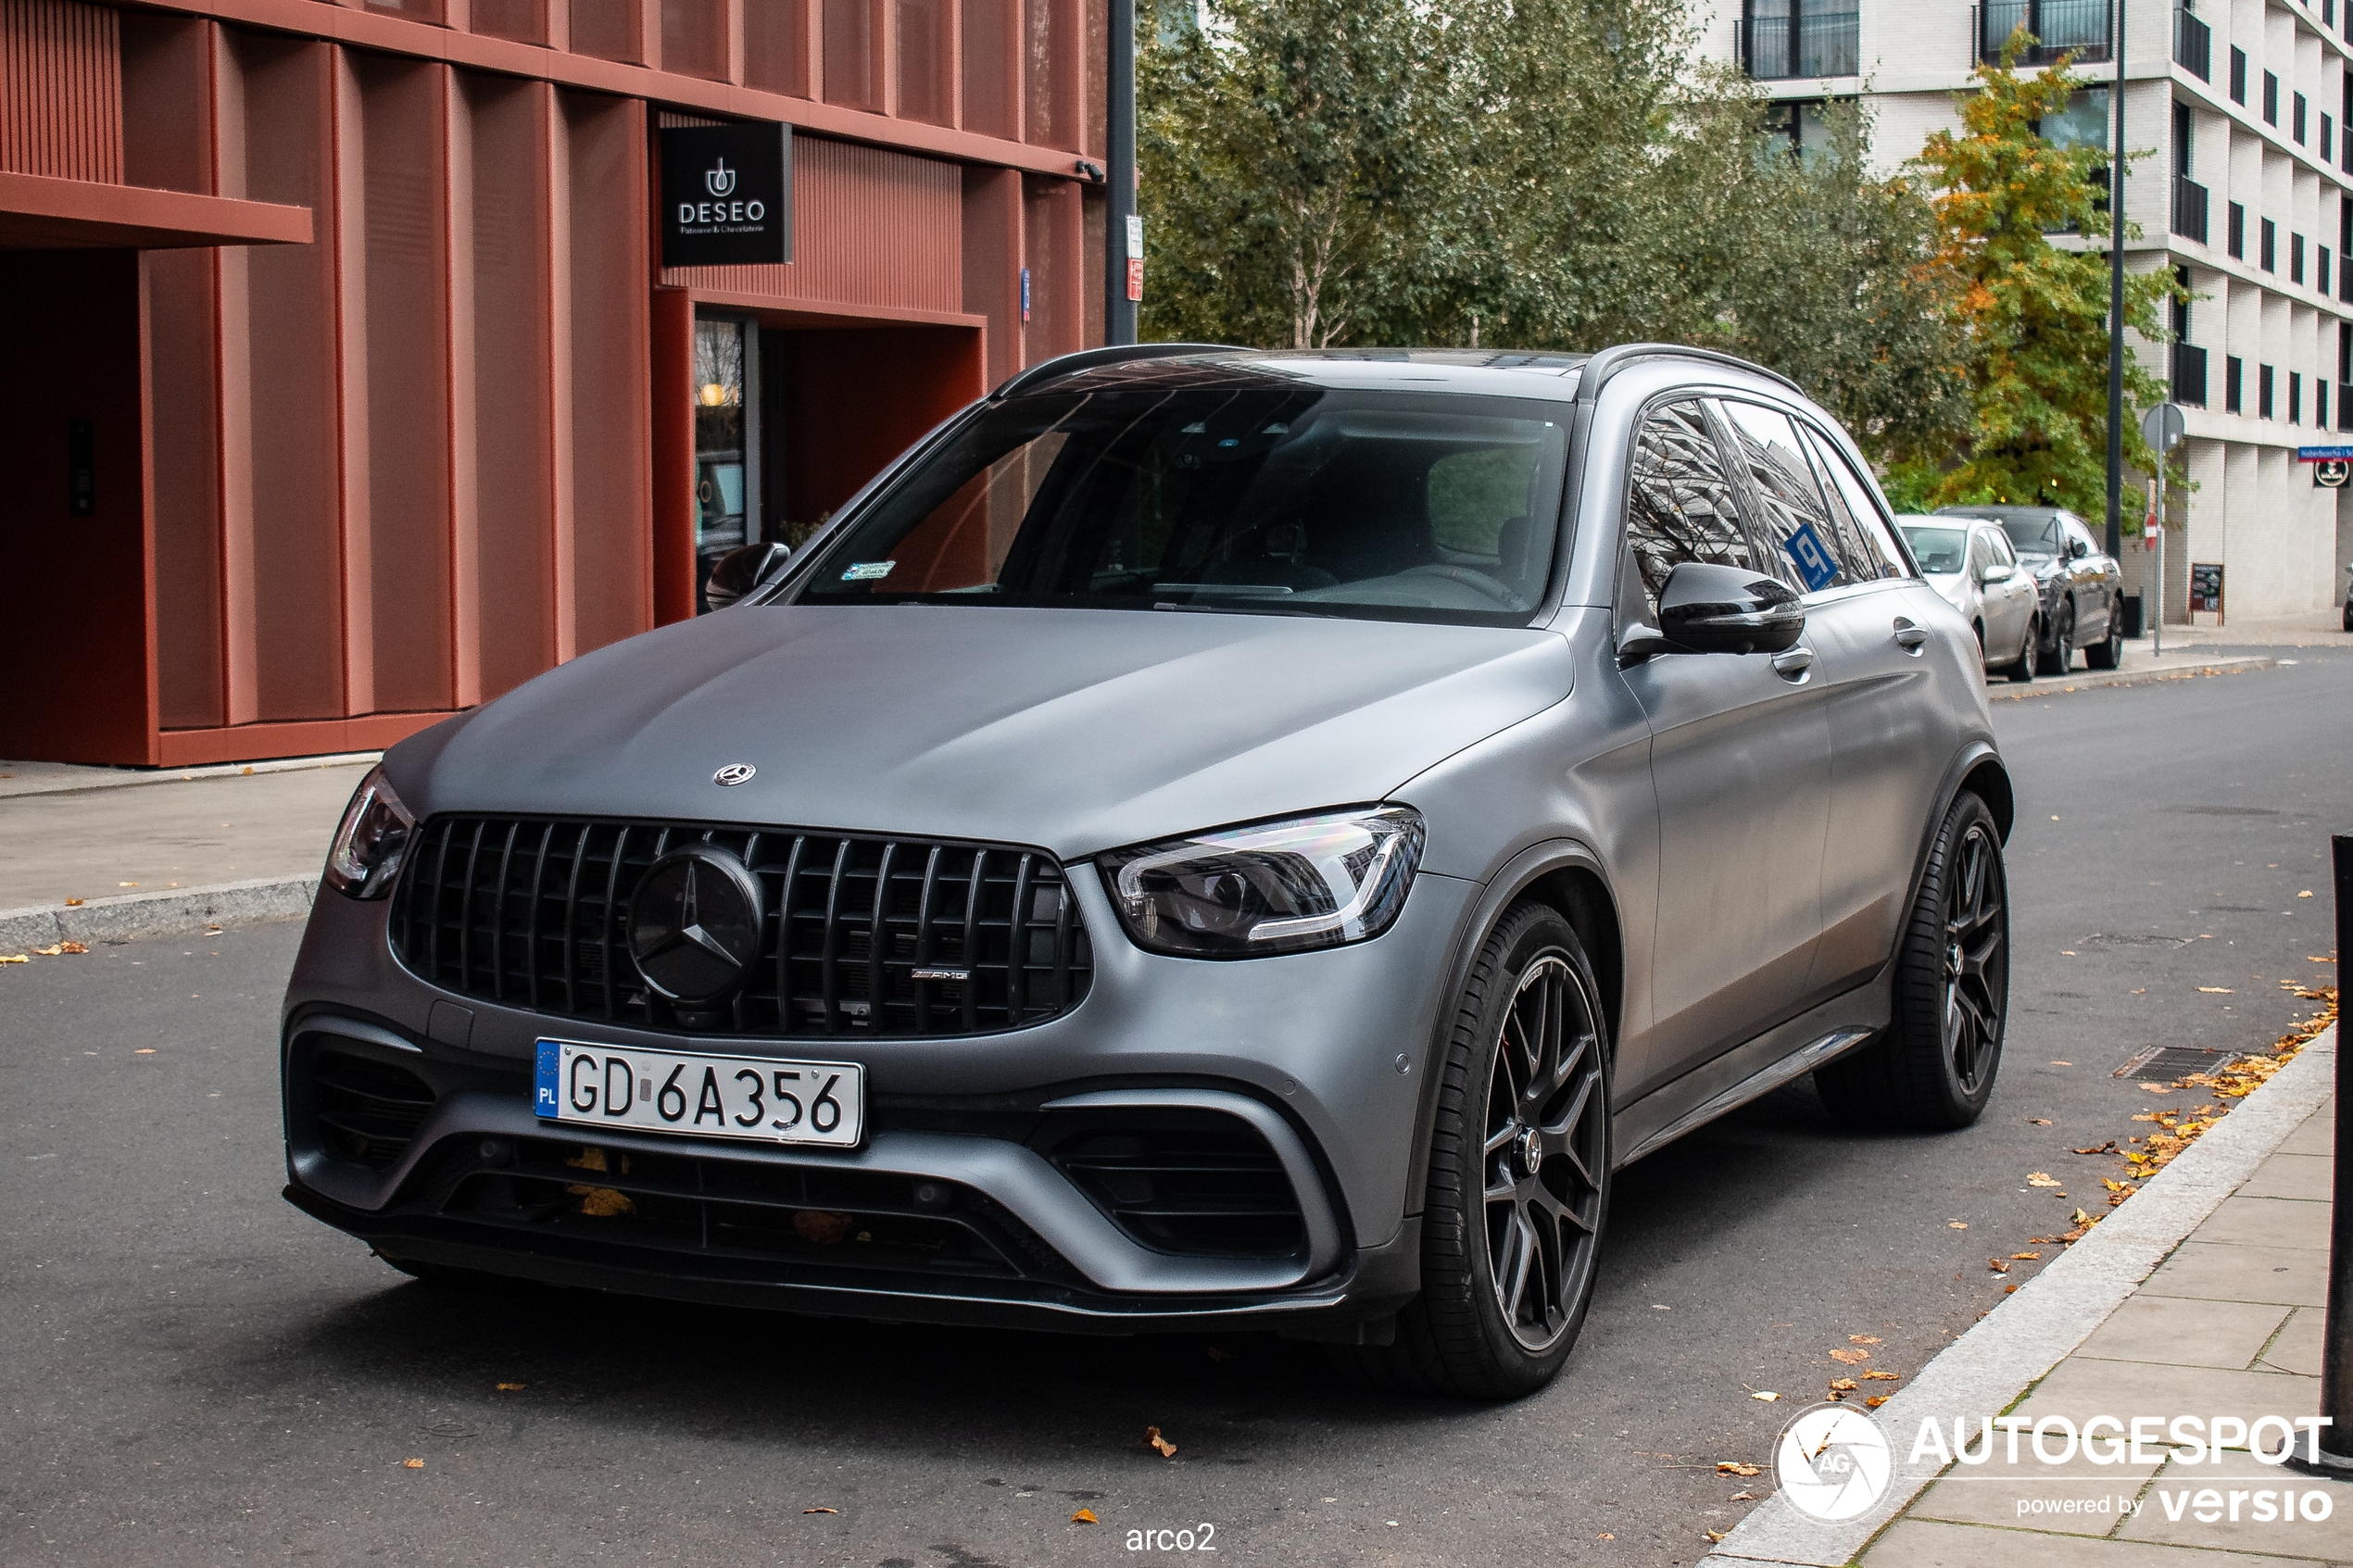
(741, 570)
(1706, 608)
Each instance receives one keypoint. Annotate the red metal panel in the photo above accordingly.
(525, 21)
(870, 227)
(850, 54)
(60, 90)
(1053, 235)
(396, 389)
(607, 29)
(924, 41)
(992, 263)
(284, 552)
(776, 52)
(694, 38)
(74, 600)
(513, 497)
(856, 397)
(611, 521)
(991, 67)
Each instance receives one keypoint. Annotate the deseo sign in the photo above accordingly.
(726, 195)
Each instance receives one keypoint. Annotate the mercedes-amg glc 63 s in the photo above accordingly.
(1208, 837)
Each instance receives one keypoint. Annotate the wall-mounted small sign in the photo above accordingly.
(2329, 473)
(2206, 587)
(2322, 454)
(726, 195)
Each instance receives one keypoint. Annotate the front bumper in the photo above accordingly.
(964, 1203)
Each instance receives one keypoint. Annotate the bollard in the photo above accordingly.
(2333, 1453)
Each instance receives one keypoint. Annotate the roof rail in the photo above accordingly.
(1609, 362)
(1089, 358)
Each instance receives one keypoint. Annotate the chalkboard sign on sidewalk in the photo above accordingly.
(2206, 587)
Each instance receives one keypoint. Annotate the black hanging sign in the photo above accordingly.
(726, 195)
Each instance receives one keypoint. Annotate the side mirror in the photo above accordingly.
(1996, 572)
(2077, 549)
(741, 570)
(1710, 609)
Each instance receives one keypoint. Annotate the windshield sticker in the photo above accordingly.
(868, 570)
(1814, 563)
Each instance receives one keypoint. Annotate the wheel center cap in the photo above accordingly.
(1528, 1151)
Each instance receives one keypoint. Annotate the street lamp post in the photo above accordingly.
(2116, 315)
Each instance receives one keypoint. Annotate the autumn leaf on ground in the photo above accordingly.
(2216, 990)
(1862, 1340)
(1766, 1394)
(1742, 1497)
(1168, 1449)
(1956, 1224)
(71, 948)
(76, 903)
(413, 1464)
(2305, 894)
(16, 957)
(2107, 1148)
(1713, 1536)
(1844, 1386)
(2038, 1120)
(1878, 1400)
(821, 1511)
(1877, 1376)
(51, 951)
(1998, 1266)
(1734, 1467)
(1085, 1516)
(511, 1387)
(2028, 1257)
(2041, 1179)
(1850, 1358)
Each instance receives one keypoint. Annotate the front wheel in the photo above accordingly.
(1935, 1064)
(2022, 667)
(2059, 657)
(2109, 652)
(1519, 1174)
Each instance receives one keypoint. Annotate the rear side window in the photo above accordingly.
(1679, 502)
(1864, 532)
(1793, 524)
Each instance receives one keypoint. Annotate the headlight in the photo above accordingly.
(1278, 887)
(369, 840)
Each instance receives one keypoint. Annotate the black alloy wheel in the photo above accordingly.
(2109, 652)
(2059, 657)
(1519, 1174)
(1934, 1065)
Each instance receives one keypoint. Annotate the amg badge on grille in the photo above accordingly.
(734, 773)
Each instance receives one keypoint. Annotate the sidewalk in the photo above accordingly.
(2221, 1317)
(2182, 660)
(150, 852)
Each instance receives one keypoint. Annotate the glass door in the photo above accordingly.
(727, 441)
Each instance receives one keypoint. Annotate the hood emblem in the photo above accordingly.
(695, 925)
(734, 773)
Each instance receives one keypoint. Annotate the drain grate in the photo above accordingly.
(2170, 1064)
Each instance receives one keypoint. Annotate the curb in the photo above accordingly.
(2092, 680)
(102, 778)
(2013, 1347)
(175, 913)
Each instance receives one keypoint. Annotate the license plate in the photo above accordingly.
(756, 1097)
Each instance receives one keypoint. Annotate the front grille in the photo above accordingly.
(1198, 1183)
(534, 912)
(806, 1218)
(365, 1110)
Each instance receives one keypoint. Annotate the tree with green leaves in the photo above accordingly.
(2035, 313)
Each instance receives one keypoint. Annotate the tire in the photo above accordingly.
(2022, 667)
(2109, 652)
(1934, 1067)
(2059, 657)
(1519, 1175)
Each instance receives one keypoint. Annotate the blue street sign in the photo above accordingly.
(2322, 454)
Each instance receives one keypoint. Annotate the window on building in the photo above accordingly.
(2268, 253)
(2344, 244)
(2328, 138)
(2083, 123)
(1805, 124)
(2319, 404)
(2270, 99)
(2233, 375)
(2295, 397)
(2238, 77)
(2262, 392)
(1799, 38)
(2344, 375)
(2295, 119)
(2344, 151)
(2234, 233)
(2296, 259)
(2320, 258)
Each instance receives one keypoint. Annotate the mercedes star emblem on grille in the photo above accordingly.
(695, 924)
(733, 773)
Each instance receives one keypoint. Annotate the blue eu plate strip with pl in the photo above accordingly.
(544, 1101)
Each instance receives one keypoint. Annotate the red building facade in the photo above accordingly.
(343, 387)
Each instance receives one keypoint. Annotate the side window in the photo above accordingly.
(1793, 522)
(1857, 513)
(1999, 543)
(1678, 502)
(1981, 551)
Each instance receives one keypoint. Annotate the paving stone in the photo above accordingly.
(2297, 1349)
(2084, 1386)
(1924, 1543)
(2268, 1222)
(2294, 1276)
(2028, 1496)
(2305, 1176)
(2181, 1331)
(2317, 1135)
(2240, 1472)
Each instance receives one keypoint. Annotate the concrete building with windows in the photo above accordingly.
(2247, 109)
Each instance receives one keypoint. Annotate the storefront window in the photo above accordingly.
(723, 486)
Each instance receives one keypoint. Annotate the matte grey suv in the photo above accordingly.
(1207, 838)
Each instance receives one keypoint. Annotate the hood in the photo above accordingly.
(1075, 730)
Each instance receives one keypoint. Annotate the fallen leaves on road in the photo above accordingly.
(1714, 1537)
(2062, 1064)
(2107, 1148)
(1850, 1358)
(413, 1464)
(16, 957)
(1766, 1394)
(1878, 1400)
(1842, 1385)
(2216, 990)
(1085, 1516)
(1742, 1497)
(1877, 1376)
(1734, 1467)
(2038, 1120)
(1862, 1340)
(71, 948)
(1168, 1449)
(512, 1388)
(2043, 1179)
(1998, 1266)
(74, 903)
(1956, 1224)
(2028, 1257)
(144, 1050)
(821, 1511)
(2305, 894)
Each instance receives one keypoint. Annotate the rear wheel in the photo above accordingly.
(1935, 1064)
(2109, 652)
(1519, 1174)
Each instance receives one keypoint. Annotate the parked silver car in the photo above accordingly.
(1207, 838)
(2081, 586)
(1970, 562)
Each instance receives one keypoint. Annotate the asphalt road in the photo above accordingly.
(196, 1373)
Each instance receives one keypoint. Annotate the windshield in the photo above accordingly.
(1938, 549)
(1259, 498)
(2033, 536)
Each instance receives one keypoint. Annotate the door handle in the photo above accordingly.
(1909, 636)
(1793, 663)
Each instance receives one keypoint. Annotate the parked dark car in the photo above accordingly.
(1209, 837)
(2082, 586)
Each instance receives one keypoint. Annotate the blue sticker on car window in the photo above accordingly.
(1814, 563)
(544, 1103)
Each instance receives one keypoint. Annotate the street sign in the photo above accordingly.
(2162, 427)
(2329, 473)
(2323, 454)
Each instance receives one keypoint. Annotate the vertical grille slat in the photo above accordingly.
(484, 888)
